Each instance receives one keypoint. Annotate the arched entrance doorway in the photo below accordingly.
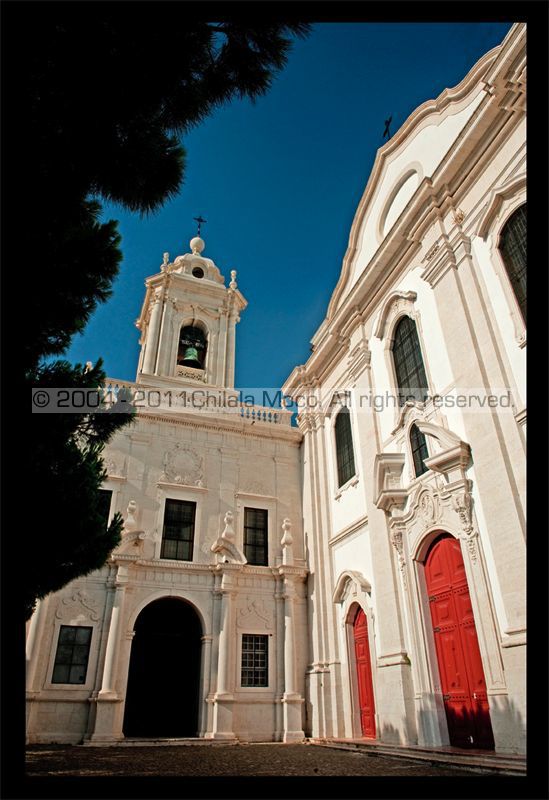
(164, 671)
(364, 675)
(458, 655)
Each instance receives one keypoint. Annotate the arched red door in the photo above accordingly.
(459, 661)
(364, 676)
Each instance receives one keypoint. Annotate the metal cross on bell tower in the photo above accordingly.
(200, 221)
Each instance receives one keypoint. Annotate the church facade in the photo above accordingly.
(361, 573)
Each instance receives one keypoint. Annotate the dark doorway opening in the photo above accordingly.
(164, 672)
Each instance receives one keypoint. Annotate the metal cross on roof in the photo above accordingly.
(387, 132)
(200, 222)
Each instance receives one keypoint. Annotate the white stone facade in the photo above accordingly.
(424, 244)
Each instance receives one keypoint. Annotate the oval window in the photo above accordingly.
(198, 272)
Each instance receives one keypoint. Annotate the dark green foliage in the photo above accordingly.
(105, 90)
(65, 526)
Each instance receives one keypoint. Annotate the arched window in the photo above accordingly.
(410, 372)
(344, 447)
(512, 246)
(419, 450)
(192, 347)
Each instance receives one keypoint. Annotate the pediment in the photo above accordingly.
(402, 166)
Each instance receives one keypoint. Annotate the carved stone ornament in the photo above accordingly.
(189, 372)
(462, 503)
(225, 547)
(433, 251)
(396, 541)
(254, 612)
(228, 531)
(130, 523)
(182, 465)
(113, 468)
(71, 603)
(287, 538)
(428, 507)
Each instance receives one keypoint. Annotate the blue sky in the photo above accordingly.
(279, 181)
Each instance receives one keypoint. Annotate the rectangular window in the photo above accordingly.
(104, 507)
(255, 653)
(178, 532)
(73, 650)
(255, 536)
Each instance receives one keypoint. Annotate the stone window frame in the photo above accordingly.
(55, 662)
(331, 415)
(502, 203)
(400, 304)
(181, 524)
(347, 412)
(266, 503)
(266, 541)
(93, 655)
(272, 645)
(410, 453)
(269, 676)
(189, 494)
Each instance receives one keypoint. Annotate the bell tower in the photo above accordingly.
(188, 323)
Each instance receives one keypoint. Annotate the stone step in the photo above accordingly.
(508, 764)
(160, 742)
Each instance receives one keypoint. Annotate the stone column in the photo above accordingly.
(164, 340)
(108, 700)
(231, 337)
(151, 343)
(224, 698)
(205, 664)
(292, 700)
(279, 688)
(220, 369)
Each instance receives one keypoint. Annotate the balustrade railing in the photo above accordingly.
(203, 400)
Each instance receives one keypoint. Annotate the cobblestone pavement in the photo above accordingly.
(221, 760)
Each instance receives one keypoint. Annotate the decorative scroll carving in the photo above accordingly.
(78, 598)
(255, 612)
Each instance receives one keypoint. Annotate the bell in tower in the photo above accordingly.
(192, 348)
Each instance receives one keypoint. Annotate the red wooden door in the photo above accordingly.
(364, 676)
(459, 661)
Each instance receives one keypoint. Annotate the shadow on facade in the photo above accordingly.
(506, 720)
(509, 723)
(389, 734)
